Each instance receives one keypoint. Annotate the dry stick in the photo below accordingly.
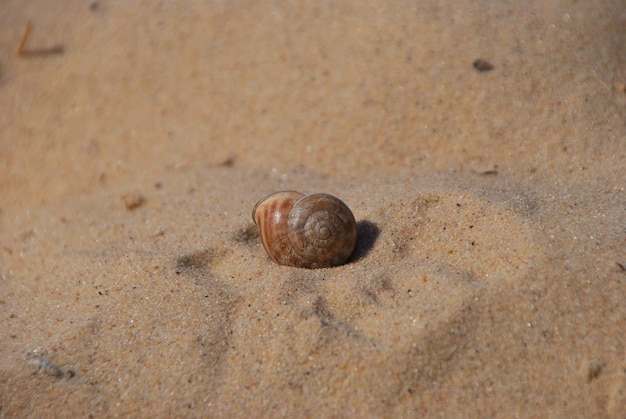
(24, 38)
(38, 52)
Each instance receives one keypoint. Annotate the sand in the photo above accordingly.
(489, 278)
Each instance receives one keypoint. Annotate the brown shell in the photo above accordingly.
(313, 231)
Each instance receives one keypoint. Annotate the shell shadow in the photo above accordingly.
(367, 234)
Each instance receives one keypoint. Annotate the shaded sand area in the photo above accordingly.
(489, 278)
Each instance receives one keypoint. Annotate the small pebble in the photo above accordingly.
(482, 65)
(132, 201)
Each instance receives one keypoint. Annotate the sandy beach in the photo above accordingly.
(480, 145)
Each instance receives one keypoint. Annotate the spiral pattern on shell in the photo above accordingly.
(313, 231)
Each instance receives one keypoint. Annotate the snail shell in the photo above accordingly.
(313, 231)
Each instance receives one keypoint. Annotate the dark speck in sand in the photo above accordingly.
(482, 66)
